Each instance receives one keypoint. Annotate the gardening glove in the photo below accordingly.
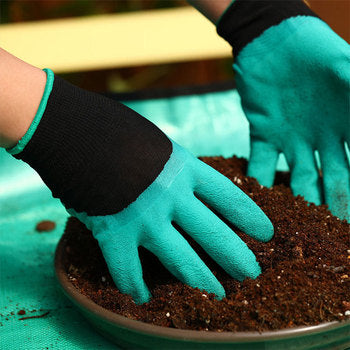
(121, 176)
(293, 76)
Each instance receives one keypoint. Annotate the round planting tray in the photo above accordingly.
(131, 334)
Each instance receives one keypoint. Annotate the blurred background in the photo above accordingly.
(145, 76)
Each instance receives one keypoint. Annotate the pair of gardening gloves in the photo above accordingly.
(129, 183)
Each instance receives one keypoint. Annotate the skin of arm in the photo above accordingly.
(211, 9)
(22, 85)
(21, 88)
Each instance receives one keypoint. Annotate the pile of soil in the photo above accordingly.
(305, 279)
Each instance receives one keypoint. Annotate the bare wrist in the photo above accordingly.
(21, 88)
(211, 9)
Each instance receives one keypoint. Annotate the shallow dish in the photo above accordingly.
(131, 334)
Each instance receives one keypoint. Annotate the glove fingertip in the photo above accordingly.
(267, 230)
(264, 178)
(254, 271)
(143, 297)
(220, 293)
(261, 227)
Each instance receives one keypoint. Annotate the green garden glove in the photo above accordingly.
(293, 76)
(121, 176)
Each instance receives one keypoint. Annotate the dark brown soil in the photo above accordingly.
(305, 279)
(45, 226)
(37, 316)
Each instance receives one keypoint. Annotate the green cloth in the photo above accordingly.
(27, 280)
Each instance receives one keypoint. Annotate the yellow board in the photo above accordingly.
(117, 40)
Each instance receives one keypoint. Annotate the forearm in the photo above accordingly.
(21, 89)
(211, 9)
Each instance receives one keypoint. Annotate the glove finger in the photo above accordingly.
(305, 180)
(336, 179)
(176, 254)
(227, 199)
(217, 239)
(124, 265)
(262, 162)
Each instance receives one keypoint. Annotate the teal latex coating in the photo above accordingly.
(19, 147)
(172, 197)
(294, 82)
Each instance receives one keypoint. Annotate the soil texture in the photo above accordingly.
(305, 278)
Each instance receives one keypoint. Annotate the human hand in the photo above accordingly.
(294, 81)
(172, 197)
(122, 177)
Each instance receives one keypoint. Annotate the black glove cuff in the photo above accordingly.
(95, 154)
(245, 20)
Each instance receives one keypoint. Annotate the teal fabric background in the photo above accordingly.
(208, 124)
